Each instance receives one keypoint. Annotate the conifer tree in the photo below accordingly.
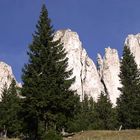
(104, 115)
(80, 121)
(48, 102)
(84, 118)
(128, 102)
(9, 109)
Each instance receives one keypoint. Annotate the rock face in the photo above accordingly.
(133, 42)
(90, 80)
(87, 77)
(6, 76)
(109, 68)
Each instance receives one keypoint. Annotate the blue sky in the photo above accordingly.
(99, 23)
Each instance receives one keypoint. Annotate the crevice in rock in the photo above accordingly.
(105, 88)
(81, 74)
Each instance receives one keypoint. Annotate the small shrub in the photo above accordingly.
(52, 135)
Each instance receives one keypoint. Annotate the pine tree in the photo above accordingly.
(81, 119)
(48, 102)
(9, 109)
(84, 118)
(104, 115)
(84, 115)
(129, 101)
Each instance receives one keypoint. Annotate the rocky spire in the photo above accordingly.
(87, 77)
(6, 76)
(109, 68)
(133, 42)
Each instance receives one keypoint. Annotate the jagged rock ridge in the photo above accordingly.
(109, 66)
(89, 80)
(87, 77)
(109, 69)
(133, 42)
(6, 76)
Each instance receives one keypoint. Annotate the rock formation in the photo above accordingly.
(109, 68)
(133, 42)
(87, 77)
(90, 80)
(6, 76)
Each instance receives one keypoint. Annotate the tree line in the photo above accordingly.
(45, 104)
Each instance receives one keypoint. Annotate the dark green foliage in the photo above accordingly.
(129, 101)
(49, 102)
(104, 115)
(83, 118)
(51, 135)
(9, 109)
(94, 115)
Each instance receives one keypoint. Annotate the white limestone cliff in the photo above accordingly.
(109, 68)
(87, 78)
(133, 42)
(6, 76)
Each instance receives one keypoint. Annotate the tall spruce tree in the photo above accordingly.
(129, 101)
(9, 109)
(104, 114)
(84, 116)
(48, 102)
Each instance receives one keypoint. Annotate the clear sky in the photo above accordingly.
(99, 23)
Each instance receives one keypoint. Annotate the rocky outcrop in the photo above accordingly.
(87, 78)
(109, 68)
(90, 80)
(133, 42)
(6, 76)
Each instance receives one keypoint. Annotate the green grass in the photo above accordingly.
(107, 135)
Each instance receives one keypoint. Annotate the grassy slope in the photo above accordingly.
(107, 135)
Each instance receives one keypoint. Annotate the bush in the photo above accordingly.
(52, 135)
